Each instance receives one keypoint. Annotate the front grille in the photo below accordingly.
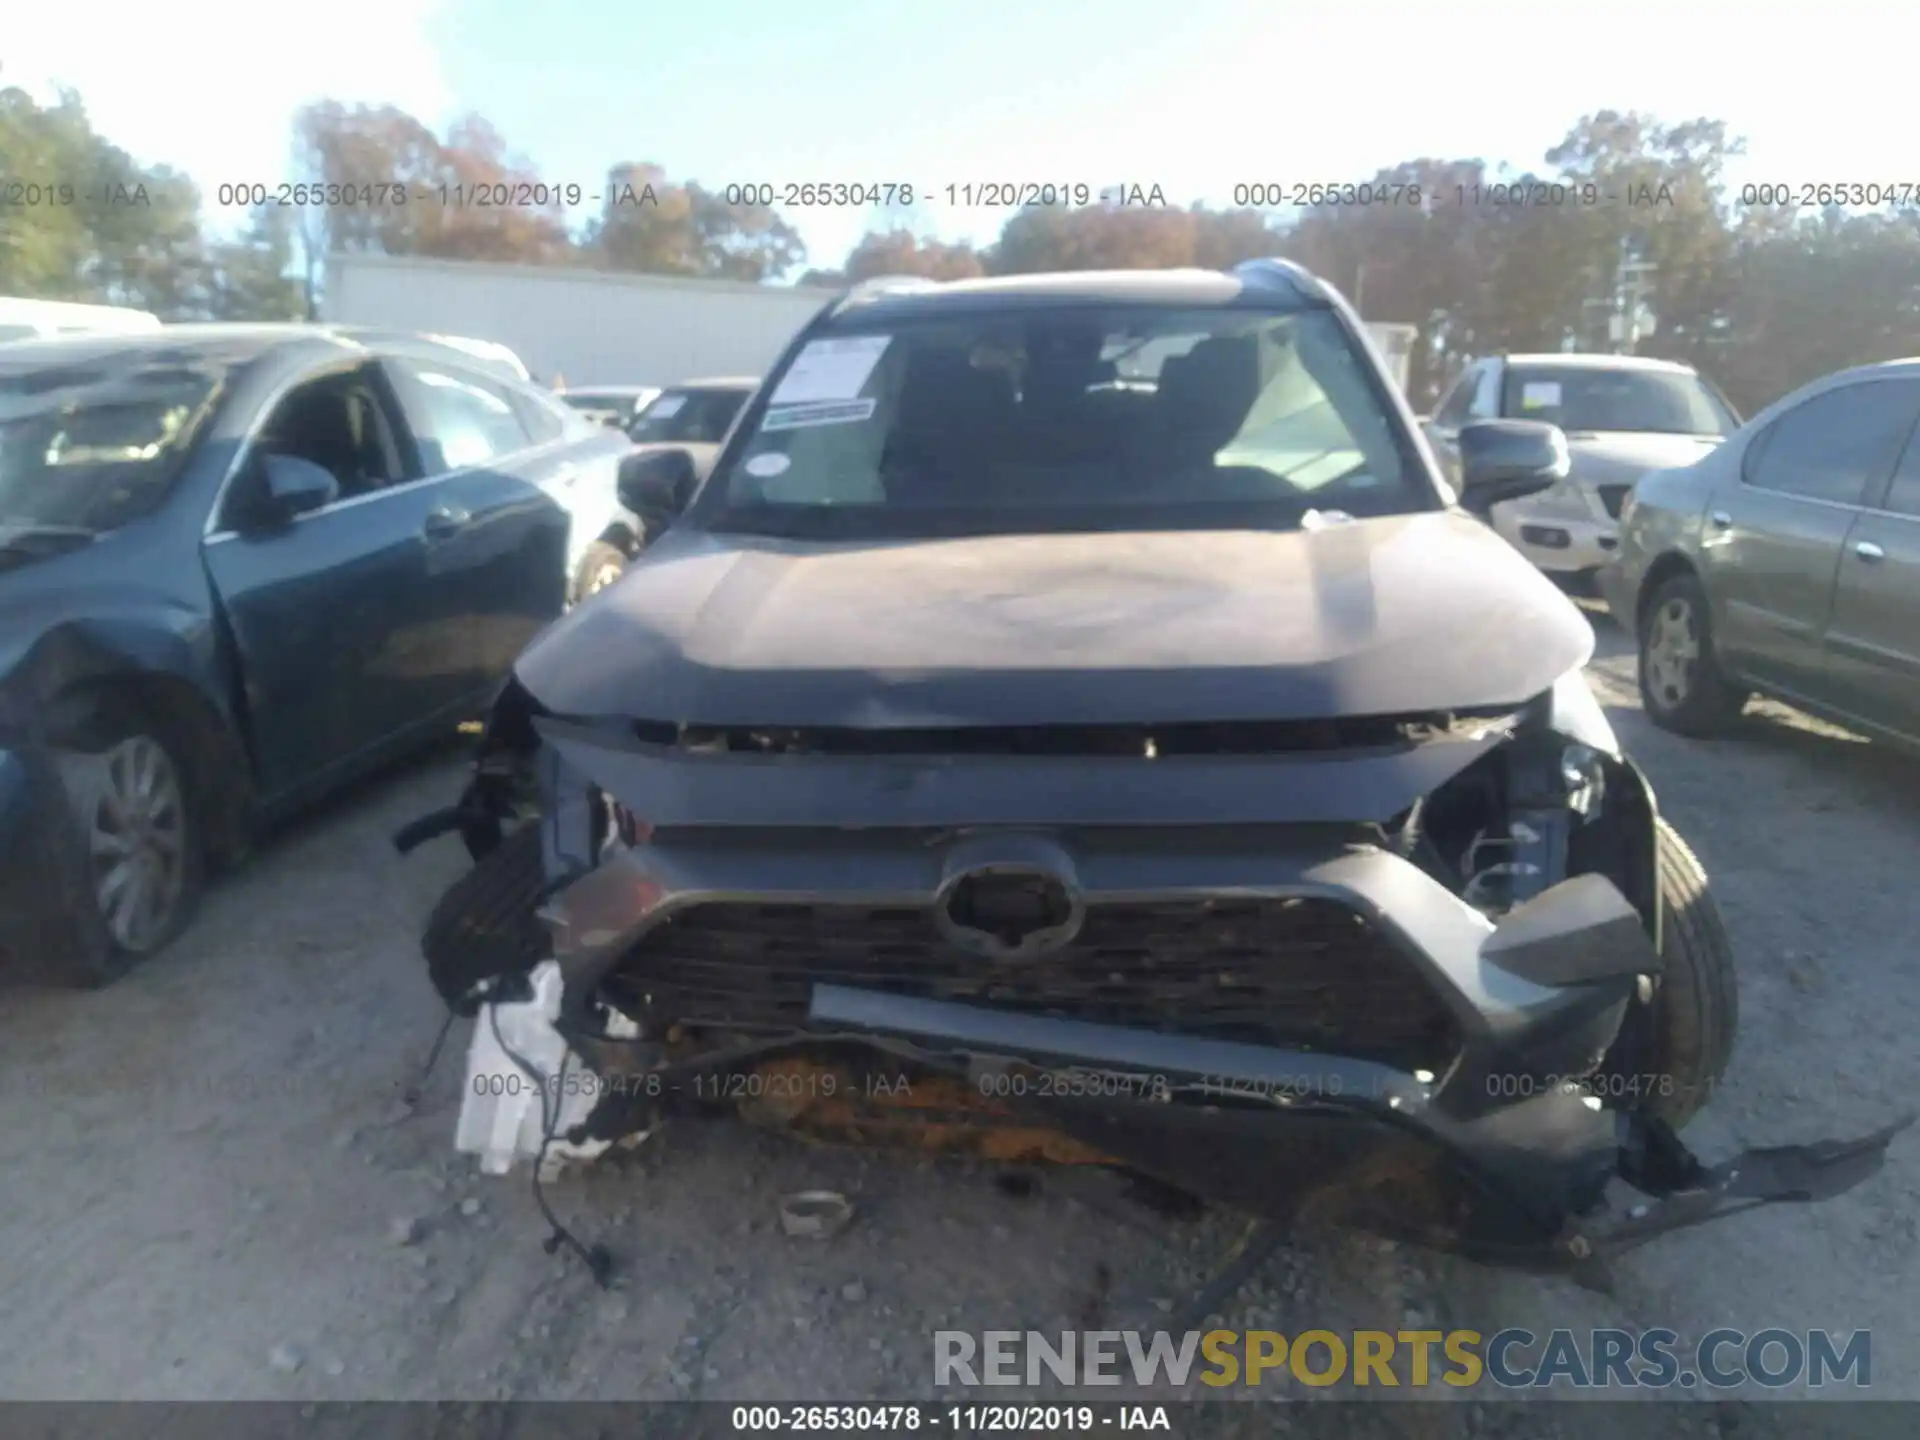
(1613, 497)
(1296, 971)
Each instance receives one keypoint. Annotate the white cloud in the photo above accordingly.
(210, 86)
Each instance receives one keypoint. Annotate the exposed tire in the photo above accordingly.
(1689, 1025)
(603, 564)
(484, 928)
(140, 824)
(1682, 685)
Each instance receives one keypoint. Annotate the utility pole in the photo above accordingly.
(1596, 317)
(1633, 283)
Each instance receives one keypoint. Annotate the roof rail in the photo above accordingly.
(1275, 272)
(880, 285)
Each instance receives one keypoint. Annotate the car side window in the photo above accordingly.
(688, 417)
(463, 418)
(1485, 403)
(1903, 493)
(346, 424)
(1836, 445)
(542, 421)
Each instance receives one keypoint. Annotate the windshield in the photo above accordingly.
(689, 417)
(93, 447)
(591, 403)
(1072, 419)
(1663, 402)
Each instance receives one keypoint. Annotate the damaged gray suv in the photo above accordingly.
(1074, 720)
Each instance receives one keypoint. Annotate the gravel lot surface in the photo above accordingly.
(215, 1188)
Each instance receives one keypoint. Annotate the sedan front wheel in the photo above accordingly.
(603, 564)
(141, 845)
(1681, 683)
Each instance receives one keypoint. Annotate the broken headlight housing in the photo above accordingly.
(1510, 825)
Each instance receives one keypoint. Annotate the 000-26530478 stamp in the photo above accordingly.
(477, 195)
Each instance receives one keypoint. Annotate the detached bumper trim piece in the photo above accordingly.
(1258, 1068)
(1778, 1175)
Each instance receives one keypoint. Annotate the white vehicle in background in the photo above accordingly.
(615, 405)
(22, 319)
(488, 350)
(694, 413)
(1623, 415)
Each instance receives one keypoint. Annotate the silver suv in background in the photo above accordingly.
(1622, 415)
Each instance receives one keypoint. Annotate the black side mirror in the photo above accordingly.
(657, 485)
(1503, 460)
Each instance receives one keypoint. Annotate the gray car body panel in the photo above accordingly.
(1668, 530)
(1427, 612)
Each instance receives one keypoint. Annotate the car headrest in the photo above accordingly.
(944, 393)
(1205, 394)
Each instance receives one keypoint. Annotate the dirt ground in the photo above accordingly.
(215, 1188)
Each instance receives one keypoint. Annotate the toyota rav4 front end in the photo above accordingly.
(1073, 721)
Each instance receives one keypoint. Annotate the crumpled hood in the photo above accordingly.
(1620, 458)
(1400, 614)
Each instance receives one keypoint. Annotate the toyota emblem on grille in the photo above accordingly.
(1009, 912)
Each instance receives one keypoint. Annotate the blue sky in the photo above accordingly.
(1193, 95)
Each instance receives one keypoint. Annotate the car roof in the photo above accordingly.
(607, 389)
(1910, 365)
(221, 343)
(217, 344)
(723, 382)
(1190, 287)
(1564, 360)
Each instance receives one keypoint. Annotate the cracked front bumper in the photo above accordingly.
(1507, 1149)
(1501, 1148)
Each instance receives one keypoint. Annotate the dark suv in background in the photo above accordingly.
(1081, 695)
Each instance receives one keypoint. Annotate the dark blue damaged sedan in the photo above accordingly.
(240, 565)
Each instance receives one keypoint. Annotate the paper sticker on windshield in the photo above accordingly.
(821, 412)
(1540, 395)
(665, 406)
(831, 369)
(767, 466)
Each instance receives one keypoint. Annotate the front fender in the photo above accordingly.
(46, 685)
